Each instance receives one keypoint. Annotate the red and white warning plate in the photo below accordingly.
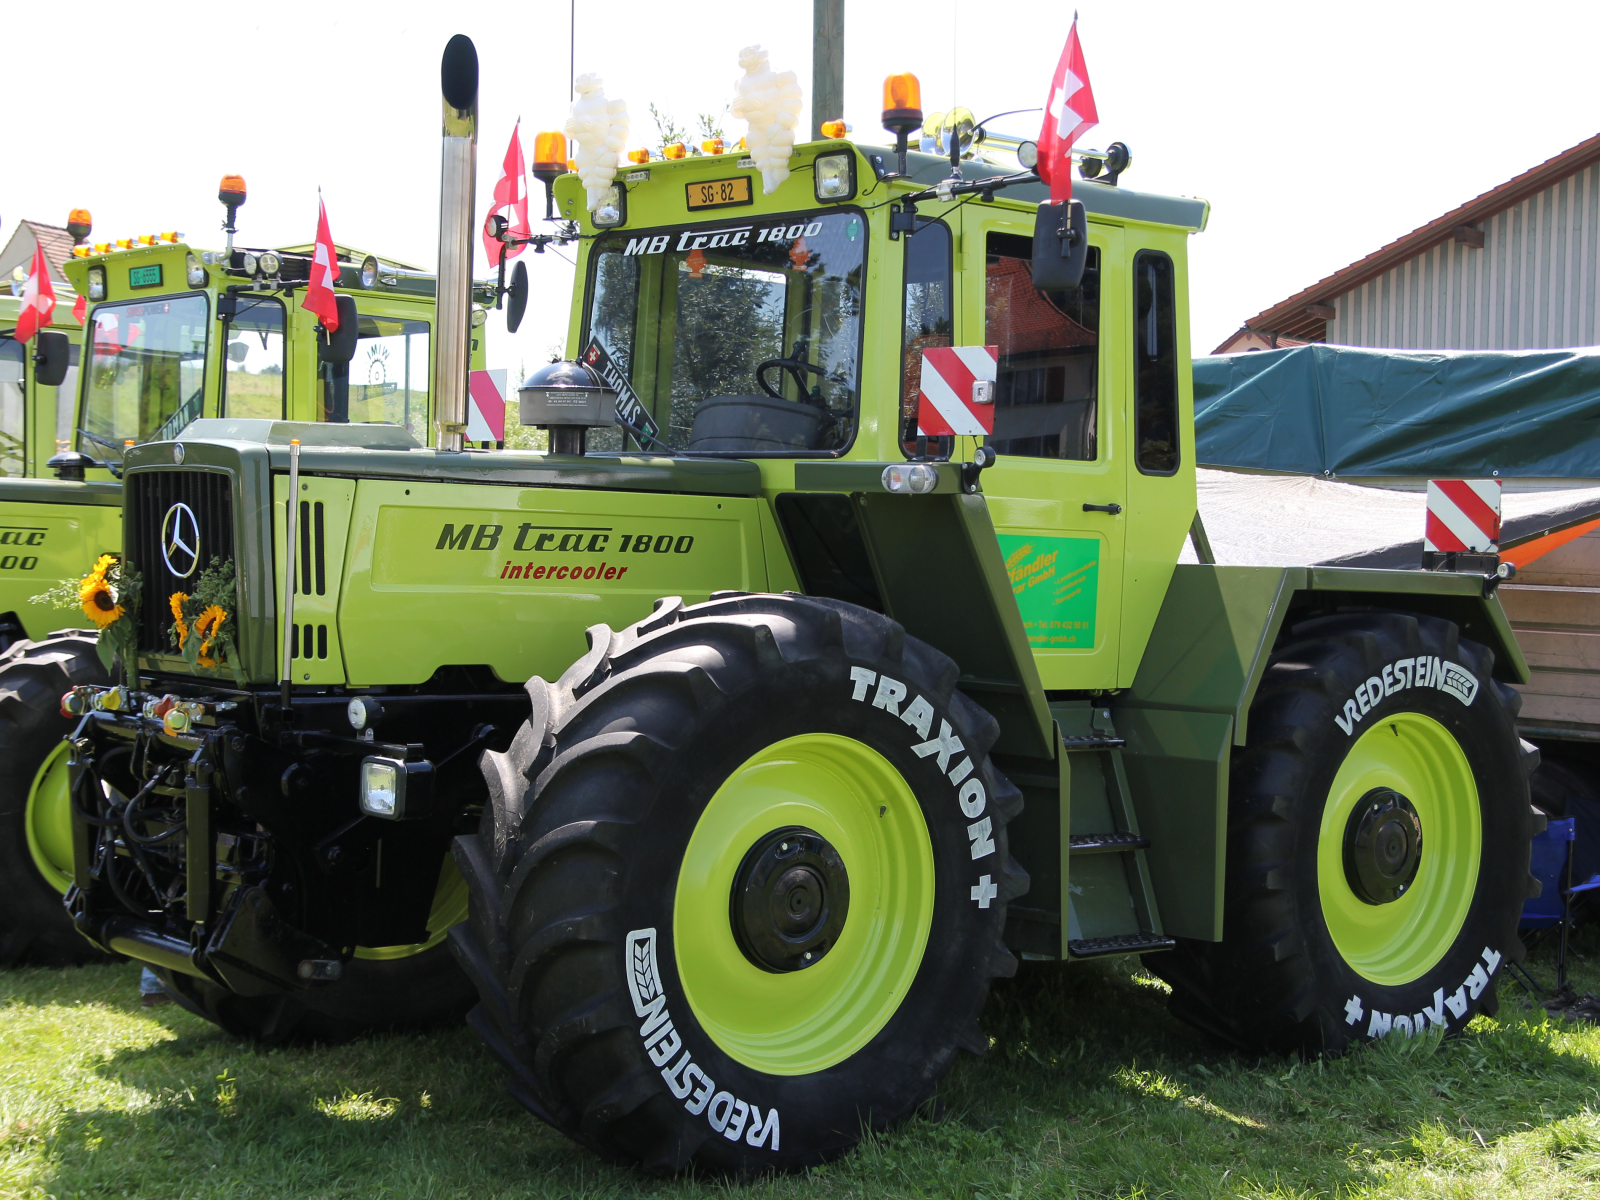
(1463, 515)
(957, 393)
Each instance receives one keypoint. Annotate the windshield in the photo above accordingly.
(147, 363)
(734, 339)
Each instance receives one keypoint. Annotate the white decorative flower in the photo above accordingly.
(768, 102)
(599, 129)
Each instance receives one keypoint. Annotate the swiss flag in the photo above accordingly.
(510, 191)
(38, 298)
(319, 296)
(1069, 113)
(80, 307)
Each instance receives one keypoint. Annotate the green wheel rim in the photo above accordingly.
(48, 820)
(449, 908)
(1398, 942)
(799, 1022)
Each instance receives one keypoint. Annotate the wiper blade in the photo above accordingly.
(116, 472)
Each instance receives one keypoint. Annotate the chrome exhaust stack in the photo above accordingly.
(458, 172)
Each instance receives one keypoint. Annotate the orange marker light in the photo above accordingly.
(172, 235)
(102, 247)
(572, 165)
(833, 129)
(124, 243)
(714, 146)
(674, 150)
(148, 239)
(639, 156)
(549, 154)
(902, 96)
(80, 252)
(231, 190)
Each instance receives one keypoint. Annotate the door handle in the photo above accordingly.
(1113, 509)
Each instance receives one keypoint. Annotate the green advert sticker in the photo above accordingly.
(1056, 581)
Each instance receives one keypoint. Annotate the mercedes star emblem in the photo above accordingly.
(180, 541)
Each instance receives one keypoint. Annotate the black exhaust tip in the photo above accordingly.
(458, 72)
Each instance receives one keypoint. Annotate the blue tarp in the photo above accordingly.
(1348, 412)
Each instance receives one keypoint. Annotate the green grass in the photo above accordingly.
(1090, 1090)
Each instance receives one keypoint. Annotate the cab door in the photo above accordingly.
(1059, 488)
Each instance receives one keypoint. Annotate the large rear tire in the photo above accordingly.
(740, 888)
(35, 816)
(1378, 844)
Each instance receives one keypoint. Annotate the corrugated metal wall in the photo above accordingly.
(1532, 286)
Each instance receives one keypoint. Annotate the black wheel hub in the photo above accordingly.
(790, 897)
(1382, 846)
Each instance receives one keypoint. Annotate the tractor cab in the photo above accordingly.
(175, 333)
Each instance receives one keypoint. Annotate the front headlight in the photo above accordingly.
(835, 176)
(612, 209)
(396, 789)
(197, 273)
(251, 264)
(369, 271)
(97, 283)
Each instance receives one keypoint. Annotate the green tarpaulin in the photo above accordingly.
(1347, 412)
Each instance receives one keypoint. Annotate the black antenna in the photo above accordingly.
(572, 49)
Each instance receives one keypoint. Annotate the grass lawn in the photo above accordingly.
(1090, 1090)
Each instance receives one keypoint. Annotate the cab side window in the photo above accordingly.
(252, 379)
(1047, 392)
(12, 356)
(929, 320)
(1155, 365)
(386, 381)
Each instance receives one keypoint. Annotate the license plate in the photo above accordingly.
(719, 193)
(141, 277)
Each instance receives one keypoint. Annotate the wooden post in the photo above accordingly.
(827, 63)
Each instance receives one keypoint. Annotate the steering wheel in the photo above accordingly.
(797, 367)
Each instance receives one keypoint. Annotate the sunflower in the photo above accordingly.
(96, 597)
(175, 602)
(208, 625)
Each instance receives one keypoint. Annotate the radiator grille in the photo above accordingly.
(151, 495)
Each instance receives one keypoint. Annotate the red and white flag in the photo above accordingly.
(510, 191)
(319, 297)
(1069, 113)
(38, 298)
(80, 307)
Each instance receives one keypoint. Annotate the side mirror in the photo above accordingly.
(50, 357)
(340, 346)
(517, 293)
(1060, 246)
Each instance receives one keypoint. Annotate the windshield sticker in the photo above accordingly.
(1057, 583)
(629, 407)
(716, 239)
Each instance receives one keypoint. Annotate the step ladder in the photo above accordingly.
(1108, 898)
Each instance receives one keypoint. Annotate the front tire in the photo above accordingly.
(1378, 845)
(740, 888)
(35, 816)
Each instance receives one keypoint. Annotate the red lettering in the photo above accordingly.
(621, 571)
(536, 573)
(588, 572)
(611, 573)
(516, 573)
(505, 568)
(561, 572)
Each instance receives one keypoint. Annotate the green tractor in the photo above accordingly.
(174, 334)
(719, 759)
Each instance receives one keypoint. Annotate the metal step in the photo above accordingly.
(1091, 741)
(1127, 943)
(1107, 843)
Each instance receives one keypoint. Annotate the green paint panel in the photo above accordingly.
(1056, 582)
(512, 577)
(43, 543)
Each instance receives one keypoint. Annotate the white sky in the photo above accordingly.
(1318, 132)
